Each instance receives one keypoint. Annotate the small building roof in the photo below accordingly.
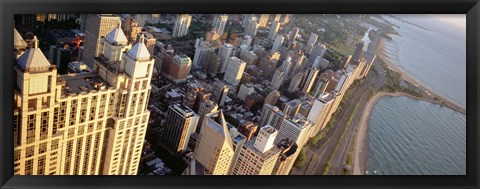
(139, 51)
(18, 41)
(116, 36)
(33, 59)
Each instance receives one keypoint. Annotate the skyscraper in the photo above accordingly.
(234, 70)
(272, 115)
(96, 26)
(258, 157)
(214, 149)
(206, 107)
(294, 34)
(320, 113)
(86, 124)
(296, 129)
(272, 97)
(180, 123)
(278, 42)
(295, 82)
(311, 75)
(311, 42)
(317, 51)
(251, 27)
(182, 23)
(225, 53)
(219, 92)
(219, 23)
(262, 22)
(273, 30)
(202, 48)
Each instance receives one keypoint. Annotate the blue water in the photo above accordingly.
(412, 137)
(434, 54)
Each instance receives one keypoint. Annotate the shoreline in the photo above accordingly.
(360, 151)
(360, 154)
(442, 101)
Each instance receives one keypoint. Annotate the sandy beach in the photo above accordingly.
(360, 152)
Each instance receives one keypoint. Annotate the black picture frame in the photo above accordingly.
(10, 7)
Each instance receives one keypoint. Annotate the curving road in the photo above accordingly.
(318, 156)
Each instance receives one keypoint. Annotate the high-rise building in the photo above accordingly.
(175, 67)
(278, 42)
(202, 48)
(311, 42)
(358, 50)
(234, 70)
(246, 40)
(294, 34)
(182, 23)
(317, 51)
(295, 82)
(225, 53)
(272, 97)
(320, 63)
(96, 26)
(219, 92)
(206, 107)
(272, 115)
(212, 64)
(292, 107)
(180, 123)
(320, 113)
(219, 23)
(321, 87)
(214, 149)
(278, 78)
(277, 17)
(273, 30)
(252, 26)
(280, 74)
(263, 20)
(296, 129)
(311, 76)
(258, 157)
(245, 90)
(64, 130)
(288, 150)
(249, 57)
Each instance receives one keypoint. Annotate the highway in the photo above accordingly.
(318, 156)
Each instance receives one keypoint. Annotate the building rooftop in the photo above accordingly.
(77, 83)
(33, 59)
(274, 150)
(116, 36)
(139, 51)
(18, 42)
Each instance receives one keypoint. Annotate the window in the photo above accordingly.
(42, 148)
(30, 151)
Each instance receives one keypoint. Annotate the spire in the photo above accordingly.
(35, 42)
(142, 38)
